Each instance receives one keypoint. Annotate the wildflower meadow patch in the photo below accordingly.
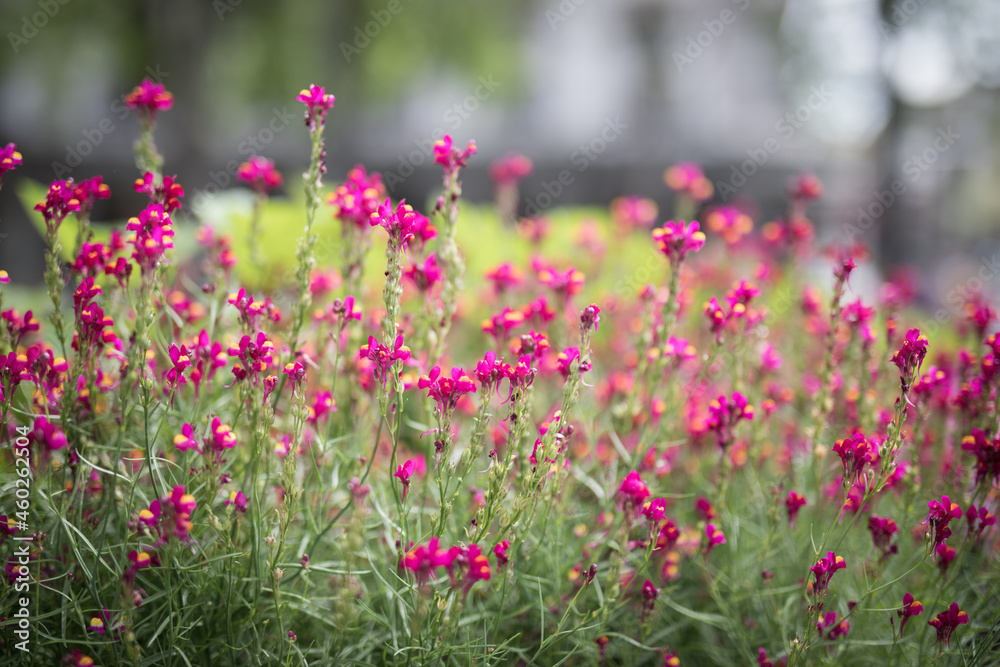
(471, 438)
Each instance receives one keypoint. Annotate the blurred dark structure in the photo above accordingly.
(611, 90)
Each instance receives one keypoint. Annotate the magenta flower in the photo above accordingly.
(725, 413)
(589, 318)
(446, 391)
(940, 515)
(510, 169)
(565, 362)
(358, 197)
(824, 570)
(882, 530)
(259, 173)
(404, 472)
(9, 158)
(185, 439)
(500, 325)
(649, 595)
(987, 453)
(828, 626)
(944, 554)
(910, 356)
(423, 560)
(397, 223)
(714, 537)
(633, 490)
(149, 98)
(717, 317)
(490, 371)
(500, 551)
(59, 201)
(254, 353)
(793, 503)
(703, 508)
(655, 511)
(89, 191)
(451, 157)
(947, 622)
(910, 608)
(979, 520)
(504, 277)
(153, 236)
(317, 102)
(855, 454)
(167, 193)
(424, 275)
(238, 501)
(676, 239)
(384, 357)
(565, 284)
(631, 211)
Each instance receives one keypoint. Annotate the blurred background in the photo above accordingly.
(894, 105)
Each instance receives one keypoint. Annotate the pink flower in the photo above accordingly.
(940, 515)
(829, 627)
(449, 156)
(149, 98)
(564, 283)
(793, 503)
(947, 621)
(824, 570)
(317, 102)
(633, 490)
(703, 507)
(89, 191)
(510, 169)
(714, 537)
(397, 223)
(729, 222)
(910, 608)
(152, 238)
(724, 414)
(855, 454)
(504, 277)
(910, 356)
(589, 318)
(987, 453)
(655, 511)
(500, 325)
(500, 551)
(424, 275)
(59, 202)
(238, 501)
(9, 158)
(185, 439)
(358, 197)
(423, 560)
(403, 473)
(446, 391)
(384, 357)
(882, 530)
(259, 173)
(167, 194)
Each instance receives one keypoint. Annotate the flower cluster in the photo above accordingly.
(676, 239)
(259, 173)
(450, 156)
(152, 236)
(824, 569)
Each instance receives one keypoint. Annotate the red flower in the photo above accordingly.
(824, 570)
(882, 530)
(855, 453)
(9, 158)
(793, 503)
(714, 537)
(447, 391)
(423, 560)
(941, 514)
(987, 453)
(59, 201)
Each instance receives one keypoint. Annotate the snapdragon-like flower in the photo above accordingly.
(500, 551)
(9, 158)
(404, 472)
(259, 173)
(89, 191)
(450, 156)
(149, 97)
(565, 284)
(940, 515)
(423, 560)
(424, 275)
(589, 318)
(167, 193)
(910, 608)
(384, 357)
(830, 627)
(633, 491)
(793, 503)
(947, 622)
(713, 538)
(397, 223)
(979, 520)
(504, 277)
(882, 530)
(254, 354)
(856, 453)
(987, 453)
(490, 371)
(655, 511)
(358, 197)
(909, 357)
(500, 325)
(185, 439)
(238, 501)
(153, 236)
(676, 239)
(520, 375)
(725, 413)
(317, 102)
(60, 201)
(446, 391)
(649, 595)
(824, 569)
